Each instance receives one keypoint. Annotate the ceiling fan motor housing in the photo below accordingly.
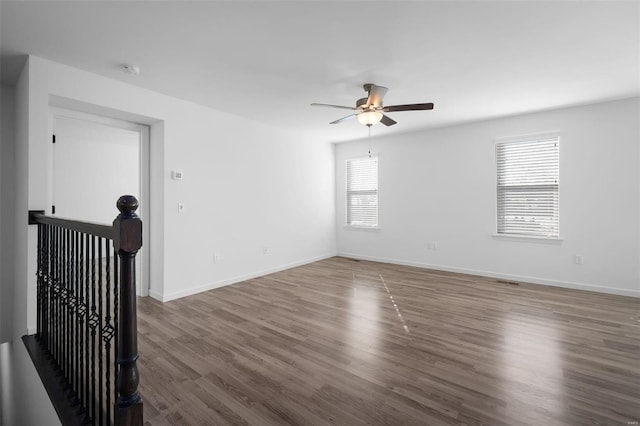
(361, 102)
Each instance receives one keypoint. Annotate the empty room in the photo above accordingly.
(320, 212)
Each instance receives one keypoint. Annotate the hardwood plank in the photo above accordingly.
(353, 342)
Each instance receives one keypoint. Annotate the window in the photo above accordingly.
(528, 173)
(362, 192)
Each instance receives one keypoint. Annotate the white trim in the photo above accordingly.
(527, 239)
(234, 280)
(362, 228)
(528, 137)
(346, 185)
(143, 266)
(518, 139)
(491, 274)
(481, 273)
(107, 121)
(145, 211)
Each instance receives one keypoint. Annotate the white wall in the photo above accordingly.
(22, 390)
(7, 209)
(93, 165)
(439, 186)
(21, 235)
(246, 185)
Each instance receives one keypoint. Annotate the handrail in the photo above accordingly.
(104, 231)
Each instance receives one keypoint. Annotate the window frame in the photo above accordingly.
(347, 193)
(527, 236)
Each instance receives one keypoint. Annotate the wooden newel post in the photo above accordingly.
(127, 241)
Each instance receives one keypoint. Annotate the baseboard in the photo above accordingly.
(155, 295)
(492, 274)
(499, 275)
(233, 280)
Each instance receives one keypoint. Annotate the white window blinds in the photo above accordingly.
(362, 192)
(528, 174)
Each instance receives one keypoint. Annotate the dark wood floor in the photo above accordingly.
(349, 343)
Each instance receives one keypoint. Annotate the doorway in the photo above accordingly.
(95, 160)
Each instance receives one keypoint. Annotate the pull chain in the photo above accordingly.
(369, 126)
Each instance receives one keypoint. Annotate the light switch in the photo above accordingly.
(180, 207)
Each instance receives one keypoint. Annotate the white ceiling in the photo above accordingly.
(268, 61)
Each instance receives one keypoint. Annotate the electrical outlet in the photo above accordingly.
(265, 250)
(432, 245)
(217, 258)
(578, 260)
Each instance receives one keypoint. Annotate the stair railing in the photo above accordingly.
(85, 347)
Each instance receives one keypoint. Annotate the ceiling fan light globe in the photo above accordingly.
(369, 118)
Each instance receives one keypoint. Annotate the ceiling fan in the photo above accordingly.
(369, 110)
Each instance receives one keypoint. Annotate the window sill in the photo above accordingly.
(362, 228)
(526, 239)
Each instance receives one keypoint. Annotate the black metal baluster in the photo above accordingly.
(42, 281)
(80, 322)
(45, 289)
(39, 285)
(74, 317)
(52, 272)
(71, 310)
(69, 305)
(57, 295)
(63, 280)
(46, 255)
(87, 363)
(81, 318)
(61, 333)
(108, 330)
(42, 250)
(51, 268)
(100, 352)
(65, 307)
(50, 265)
(60, 330)
(92, 323)
(45, 303)
(52, 290)
(80, 314)
(116, 301)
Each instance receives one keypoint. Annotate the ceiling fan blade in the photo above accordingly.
(340, 120)
(376, 93)
(408, 107)
(387, 121)
(333, 106)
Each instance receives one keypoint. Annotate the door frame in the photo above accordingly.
(143, 282)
